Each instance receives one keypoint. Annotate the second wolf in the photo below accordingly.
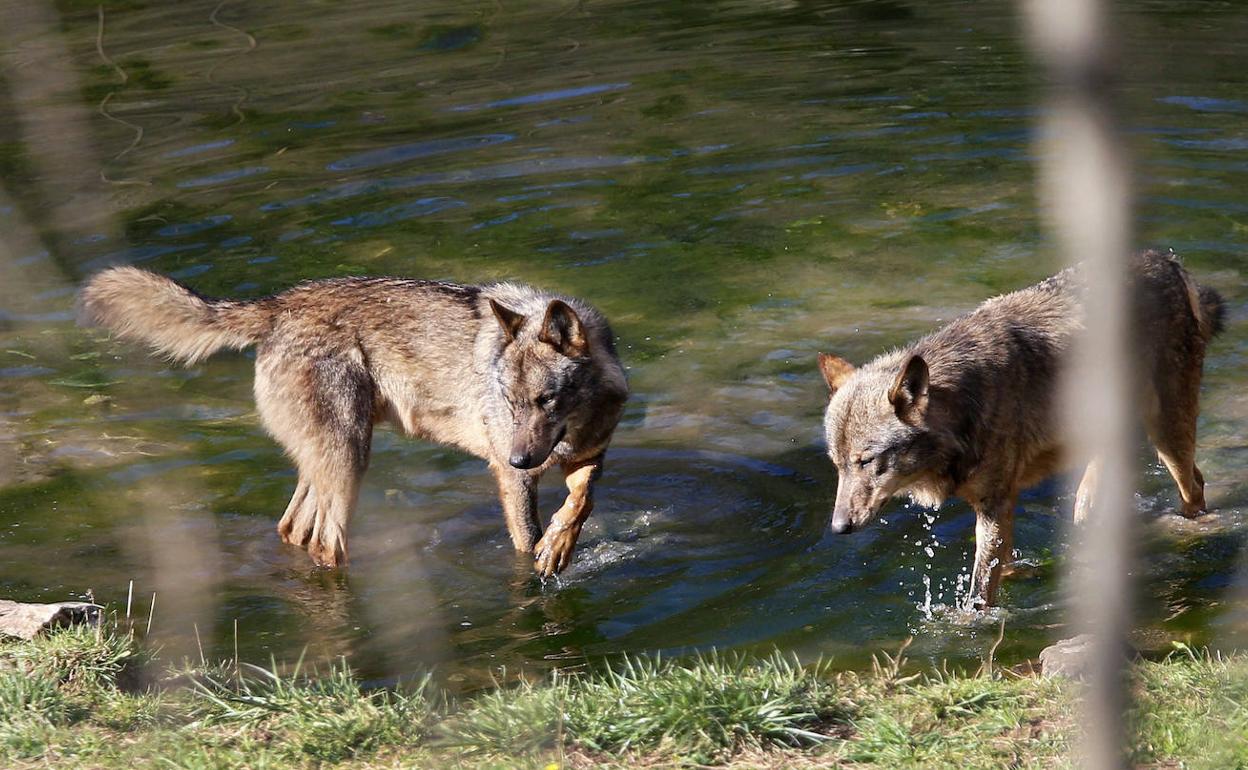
(969, 410)
(522, 378)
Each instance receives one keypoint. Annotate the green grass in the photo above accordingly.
(328, 718)
(1195, 708)
(79, 698)
(704, 710)
(80, 660)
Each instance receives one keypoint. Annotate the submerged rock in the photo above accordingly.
(26, 621)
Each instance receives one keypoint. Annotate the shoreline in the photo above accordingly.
(90, 697)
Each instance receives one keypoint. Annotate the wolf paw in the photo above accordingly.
(292, 535)
(328, 556)
(1195, 508)
(554, 551)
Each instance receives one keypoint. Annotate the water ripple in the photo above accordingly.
(223, 176)
(542, 97)
(484, 173)
(136, 254)
(197, 149)
(763, 165)
(417, 208)
(389, 156)
(186, 228)
(1206, 103)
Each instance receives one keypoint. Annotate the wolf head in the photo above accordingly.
(883, 436)
(542, 369)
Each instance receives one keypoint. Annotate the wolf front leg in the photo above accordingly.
(554, 550)
(994, 547)
(518, 492)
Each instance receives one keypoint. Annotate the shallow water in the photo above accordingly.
(737, 185)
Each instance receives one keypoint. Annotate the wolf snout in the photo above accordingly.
(842, 527)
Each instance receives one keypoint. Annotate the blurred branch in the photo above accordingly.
(1086, 188)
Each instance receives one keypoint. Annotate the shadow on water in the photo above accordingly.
(738, 185)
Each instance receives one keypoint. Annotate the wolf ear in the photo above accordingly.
(835, 371)
(909, 393)
(510, 320)
(562, 330)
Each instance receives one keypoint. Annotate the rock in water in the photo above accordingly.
(1072, 658)
(26, 621)
(1068, 658)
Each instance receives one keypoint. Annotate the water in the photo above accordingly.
(737, 185)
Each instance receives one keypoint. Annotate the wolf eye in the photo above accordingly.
(865, 461)
(545, 399)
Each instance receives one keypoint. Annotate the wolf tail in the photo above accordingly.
(1212, 312)
(172, 319)
(1206, 303)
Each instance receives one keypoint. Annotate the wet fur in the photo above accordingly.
(437, 360)
(969, 410)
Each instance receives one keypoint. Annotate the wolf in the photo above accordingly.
(970, 409)
(520, 377)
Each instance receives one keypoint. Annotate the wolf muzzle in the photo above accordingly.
(841, 526)
(843, 510)
(525, 458)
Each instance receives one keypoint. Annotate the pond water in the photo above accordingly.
(736, 184)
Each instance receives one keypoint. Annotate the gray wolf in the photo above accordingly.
(520, 377)
(969, 410)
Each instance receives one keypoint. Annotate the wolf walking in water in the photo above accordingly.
(522, 378)
(970, 410)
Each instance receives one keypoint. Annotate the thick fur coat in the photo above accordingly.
(520, 377)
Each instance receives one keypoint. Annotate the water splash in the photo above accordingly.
(933, 597)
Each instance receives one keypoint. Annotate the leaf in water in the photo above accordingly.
(21, 353)
(808, 222)
(84, 381)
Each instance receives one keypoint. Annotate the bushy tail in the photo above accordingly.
(1206, 303)
(138, 305)
(1212, 315)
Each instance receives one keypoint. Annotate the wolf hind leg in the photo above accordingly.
(337, 491)
(295, 528)
(1172, 429)
(1187, 476)
(321, 411)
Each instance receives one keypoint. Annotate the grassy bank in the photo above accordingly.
(78, 699)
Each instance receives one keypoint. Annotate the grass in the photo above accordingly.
(79, 698)
(328, 718)
(1201, 701)
(703, 710)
